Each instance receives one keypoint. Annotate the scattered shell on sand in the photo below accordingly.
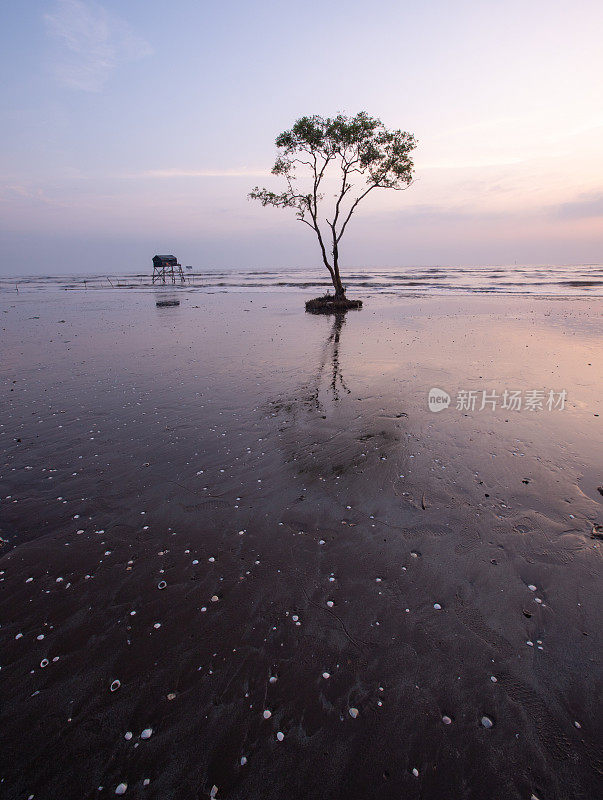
(493, 678)
(446, 720)
(146, 781)
(161, 585)
(487, 722)
(415, 772)
(267, 714)
(353, 712)
(330, 603)
(128, 735)
(171, 696)
(115, 685)
(280, 736)
(121, 789)
(214, 598)
(531, 587)
(577, 724)
(437, 606)
(243, 760)
(147, 733)
(326, 675)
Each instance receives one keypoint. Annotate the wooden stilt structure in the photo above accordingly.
(166, 269)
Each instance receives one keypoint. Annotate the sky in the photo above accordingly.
(138, 127)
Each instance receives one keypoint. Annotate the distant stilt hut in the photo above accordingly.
(166, 269)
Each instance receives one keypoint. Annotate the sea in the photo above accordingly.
(541, 280)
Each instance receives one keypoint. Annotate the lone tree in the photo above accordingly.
(348, 157)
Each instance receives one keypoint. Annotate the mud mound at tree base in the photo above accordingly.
(329, 304)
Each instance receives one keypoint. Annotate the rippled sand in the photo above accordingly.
(228, 508)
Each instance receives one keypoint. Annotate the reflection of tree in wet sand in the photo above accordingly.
(330, 357)
(328, 434)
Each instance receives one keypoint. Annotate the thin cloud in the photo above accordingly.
(586, 206)
(92, 44)
(201, 173)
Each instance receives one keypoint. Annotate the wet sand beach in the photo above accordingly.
(239, 529)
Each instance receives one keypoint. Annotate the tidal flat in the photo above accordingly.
(241, 558)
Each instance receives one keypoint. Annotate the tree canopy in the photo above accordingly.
(351, 156)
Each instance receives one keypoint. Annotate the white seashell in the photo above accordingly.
(437, 606)
(121, 789)
(147, 733)
(326, 675)
(446, 720)
(353, 712)
(161, 585)
(280, 736)
(128, 736)
(214, 598)
(267, 714)
(415, 772)
(115, 685)
(531, 587)
(487, 722)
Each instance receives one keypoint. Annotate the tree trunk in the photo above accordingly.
(339, 289)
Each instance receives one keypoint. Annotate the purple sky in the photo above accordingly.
(137, 128)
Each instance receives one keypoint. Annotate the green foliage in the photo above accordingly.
(360, 149)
